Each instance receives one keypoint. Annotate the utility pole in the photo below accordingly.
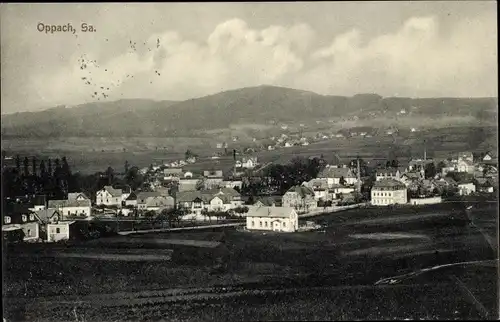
(359, 174)
(425, 151)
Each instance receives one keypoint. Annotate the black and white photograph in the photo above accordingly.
(249, 161)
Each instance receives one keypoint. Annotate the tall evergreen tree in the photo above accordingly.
(26, 162)
(33, 160)
(43, 170)
(18, 163)
(110, 175)
(127, 166)
(49, 168)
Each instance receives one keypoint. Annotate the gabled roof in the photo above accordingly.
(317, 184)
(389, 170)
(46, 214)
(266, 201)
(159, 201)
(75, 195)
(69, 203)
(144, 195)
(272, 212)
(331, 172)
(112, 191)
(301, 190)
(132, 196)
(388, 183)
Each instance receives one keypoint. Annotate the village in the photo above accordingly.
(173, 194)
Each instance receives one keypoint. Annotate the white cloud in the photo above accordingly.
(415, 60)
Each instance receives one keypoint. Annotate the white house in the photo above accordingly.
(465, 189)
(321, 189)
(273, 219)
(388, 192)
(465, 166)
(77, 204)
(334, 175)
(109, 196)
(59, 231)
(388, 173)
(466, 156)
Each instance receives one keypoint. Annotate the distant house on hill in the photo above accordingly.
(283, 219)
(300, 198)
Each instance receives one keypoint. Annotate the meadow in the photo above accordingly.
(328, 274)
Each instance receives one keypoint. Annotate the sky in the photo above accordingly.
(189, 50)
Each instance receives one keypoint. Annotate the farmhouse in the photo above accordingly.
(321, 189)
(273, 219)
(300, 198)
(465, 166)
(467, 188)
(131, 200)
(19, 219)
(109, 196)
(247, 163)
(388, 192)
(466, 156)
(61, 230)
(210, 200)
(77, 204)
(336, 175)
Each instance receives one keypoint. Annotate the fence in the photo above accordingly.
(331, 209)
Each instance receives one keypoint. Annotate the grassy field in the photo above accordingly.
(321, 275)
(89, 155)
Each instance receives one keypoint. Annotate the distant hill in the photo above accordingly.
(253, 105)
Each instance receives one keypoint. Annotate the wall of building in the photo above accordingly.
(31, 231)
(385, 198)
(425, 201)
(54, 235)
(72, 211)
(272, 224)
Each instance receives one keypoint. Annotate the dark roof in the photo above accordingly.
(45, 214)
(388, 184)
(132, 196)
(301, 190)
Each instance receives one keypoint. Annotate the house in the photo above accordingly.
(22, 221)
(465, 189)
(61, 230)
(172, 173)
(418, 164)
(490, 156)
(449, 166)
(79, 205)
(109, 196)
(388, 173)
(47, 216)
(283, 219)
(143, 196)
(466, 156)
(465, 166)
(213, 178)
(131, 200)
(338, 175)
(337, 189)
(388, 192)
(264, 202)
(247, 163)
(288, 144)
(300, 197)
(484, 185)
(411, 177)
(158, 203)
(80, 196)
(232, 183)
(219, 199)
(321, 189)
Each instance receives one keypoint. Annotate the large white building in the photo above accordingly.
(388, 192)
(273, 219)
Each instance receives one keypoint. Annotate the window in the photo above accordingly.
(260, 223)
(58, 230)
(284, 224)
(29, 233)
(265, 223)
(32, 217)
(24, 218)
(7, 219)
(68, 212)
(253, 223)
